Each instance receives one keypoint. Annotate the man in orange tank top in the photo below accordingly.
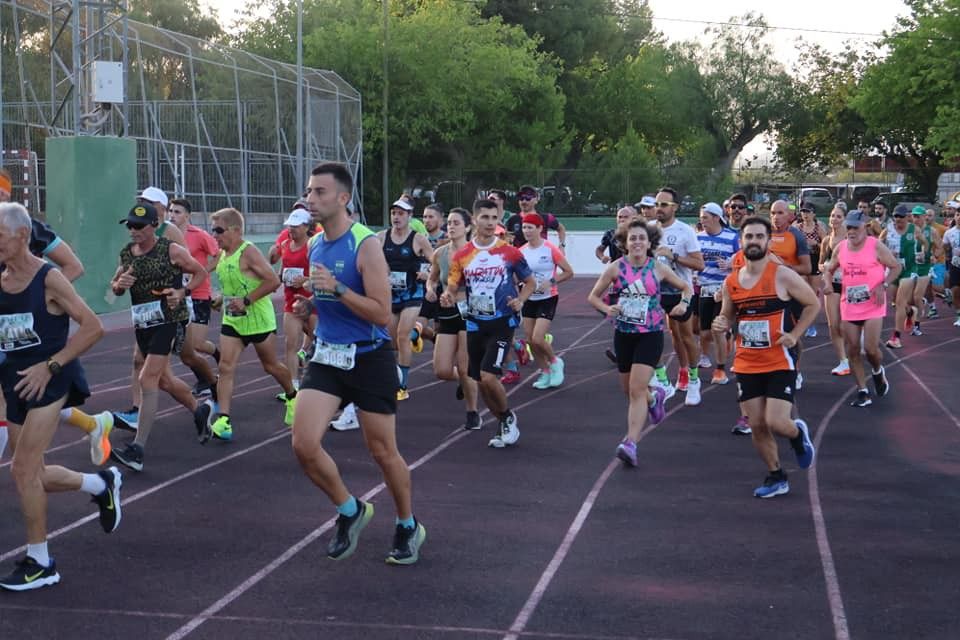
(759, 297)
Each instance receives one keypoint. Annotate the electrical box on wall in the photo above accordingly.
(107, 81)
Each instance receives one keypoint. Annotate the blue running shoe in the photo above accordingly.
(127, 420)
(803, 445)
(775, 484)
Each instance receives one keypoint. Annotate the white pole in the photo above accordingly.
(299, 171)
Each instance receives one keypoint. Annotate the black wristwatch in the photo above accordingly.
(54, 367)
(246, 301)
(339, 290)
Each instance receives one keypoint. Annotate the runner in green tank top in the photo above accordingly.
(904, 240)
(247, 281)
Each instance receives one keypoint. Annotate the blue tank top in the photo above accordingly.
(336, 324)
(28, 332)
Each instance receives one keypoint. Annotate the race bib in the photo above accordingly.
(16, 332)
(398, 279)
(290, 274)
(838, 276)
(227, 310)
(341, 356)
(858, 294)
(709, 290)
(920, 257)
(148, 314)
(192, 316)
(463, 308)
(633, 309)
(955, 261)
(482, 304)
(425, 268)
(754, 334)
(541, 284)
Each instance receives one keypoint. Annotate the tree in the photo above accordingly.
(180, 16)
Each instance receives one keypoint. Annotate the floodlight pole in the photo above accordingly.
(385, 195)
(299, 163)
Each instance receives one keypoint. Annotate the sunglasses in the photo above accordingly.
(741, 207)
(664, 205)
(136, 226)
(218, 230)
(851, 227)
(806, 211)
(526, 198)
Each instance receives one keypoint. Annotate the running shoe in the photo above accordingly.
(522, 350)
(222, 429)
(741, 427)
(347, 420)
(510, 377)
(908, 322)
(956, 322)
(880, 382)
(719, 377)
(804, 446)
(611, 356)
(416, 341)
(916, 330)
(842, 369)
(281, 397)
(704, 361)
(100, 438)
(130, 456)
(127, 420)
(683, 379)
(894, 343)
(657, 411)
(693, 393)
(556, 372)
(345, 539)
(627, 451)
(862, 399)
(543, 382)
(200, 389)
(290, 411)
(932, 311)
(668, 389)
(473, 421)
(201, 420)
(507, 433)
(402, 394)
(29, 574)
(773, 485)
(407, 543)
(109, 501)
(811, 332)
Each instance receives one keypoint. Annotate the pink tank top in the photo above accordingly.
(862, 273)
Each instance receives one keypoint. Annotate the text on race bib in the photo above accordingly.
(482, 304)
(858, 294)
(633, 309)
(16, 332)
(464, 308)
(398, 279)
(290, 274)
(146, 315)
(341, 356)
(754, 334)
(709, 290)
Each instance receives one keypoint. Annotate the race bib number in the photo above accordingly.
(290, 274)
(482, 304)
(541, 284)
(633, 309)
(16, 332)
(902, 261)
(341, 356)
(920, 257)
(148, 314)
(754, 334)
(709, 290)
(227, 309)
(858, 294)
(463, 308)
(192, 316)
(425, 268)
(398, 279)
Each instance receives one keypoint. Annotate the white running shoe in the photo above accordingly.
(347, 420)
(704, 361)
(842, 369)
(507, 433)
(693, 393)
(668, 389)
(956, 322)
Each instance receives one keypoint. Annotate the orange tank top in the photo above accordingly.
(784, 244)
(762, 318)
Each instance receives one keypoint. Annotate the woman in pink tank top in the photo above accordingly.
(862, 296)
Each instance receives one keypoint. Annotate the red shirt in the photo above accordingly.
(201, 246)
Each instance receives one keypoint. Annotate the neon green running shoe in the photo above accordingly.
(222, 428)
(291, 410)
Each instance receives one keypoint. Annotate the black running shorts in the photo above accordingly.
(157, 340)
(487, 346)
(371, 385)
(537, 309)
(780, 385)
(637, 348)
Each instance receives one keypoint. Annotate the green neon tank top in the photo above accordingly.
(259, 317)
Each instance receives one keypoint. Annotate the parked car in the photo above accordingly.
(909, 198)
(820, 198)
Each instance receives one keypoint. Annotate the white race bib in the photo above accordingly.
(189, 301)
(289, 274)
(463, 308)
(226, 307)
(425, 268)
(754, 334)
(341, 356)
(148, 314)
(920, 257)
(398, 279)
(709, 290)
(633, 309)
(858, 294)
(482, 304)
(16, 332)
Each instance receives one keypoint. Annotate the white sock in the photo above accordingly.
(3, 440)
(65, 414)
(39, 553)
(93, 484)
(350, 411)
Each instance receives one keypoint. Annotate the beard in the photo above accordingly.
(753, 252)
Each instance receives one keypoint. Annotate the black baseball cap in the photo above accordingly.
(142, 213)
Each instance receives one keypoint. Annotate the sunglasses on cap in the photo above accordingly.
(137, 226)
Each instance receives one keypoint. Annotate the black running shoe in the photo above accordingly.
(611, 356)
(344, 541)
(200, 390)
(201, 421)
(407, 543)
(473, 421)
(862, 400)
(29, 574)
(109, 500)
(880, 382)
(131, 456)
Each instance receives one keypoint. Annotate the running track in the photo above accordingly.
(548, 539)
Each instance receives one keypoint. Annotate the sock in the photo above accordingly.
(39, 553)
(896, 334)
(661, 373)
(505, 414)
(197, 374)
(864, 390)
(148, 411)
(779, 474)
(797, 442)
(77, 418)
(511, 366)
(877, 372)
(917, 325)
(92, 484)
(348, 508)
(406, 523)
(404, 372)
(414, 334)
(292, 395)
(213, 389)
(720, 366)
(694, 372)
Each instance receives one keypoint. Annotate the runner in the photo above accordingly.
(759, 296)
(951, 250)
(543, 259)
(422, 329)
(902, 240)
(152, 268)
(718, 244)
(639, 320)
(405, 250)
(528, 197)
(450, 352)
(247, 281)
(352, 362)
(831, 293)
(927, 252)
(488, 267)
(611, 244)
(40, 375)
(813, 232)
(863, 301)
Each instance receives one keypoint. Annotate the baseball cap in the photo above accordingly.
(533, 218)
(528, 190)
(806, 206)
(841, 205)
(952, 204)
(153, 194)
(918, 211)
(714, 208)
(646, 201)
(142, 213)
(901, 211)
(402, 203)
(855, 218)
(296, 218)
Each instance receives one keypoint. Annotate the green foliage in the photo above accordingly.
(180, 16)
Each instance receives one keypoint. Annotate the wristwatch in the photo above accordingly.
(247, 301)
(54, 367)
(339, 290)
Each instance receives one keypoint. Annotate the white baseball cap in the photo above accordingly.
(952, 204)
(403, 204)
(153, 194)
(297, 217)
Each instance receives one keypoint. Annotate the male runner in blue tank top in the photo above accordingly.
(353, 362)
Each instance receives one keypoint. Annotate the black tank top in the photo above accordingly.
(401, 258)
(29, 333)
(154, 272)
